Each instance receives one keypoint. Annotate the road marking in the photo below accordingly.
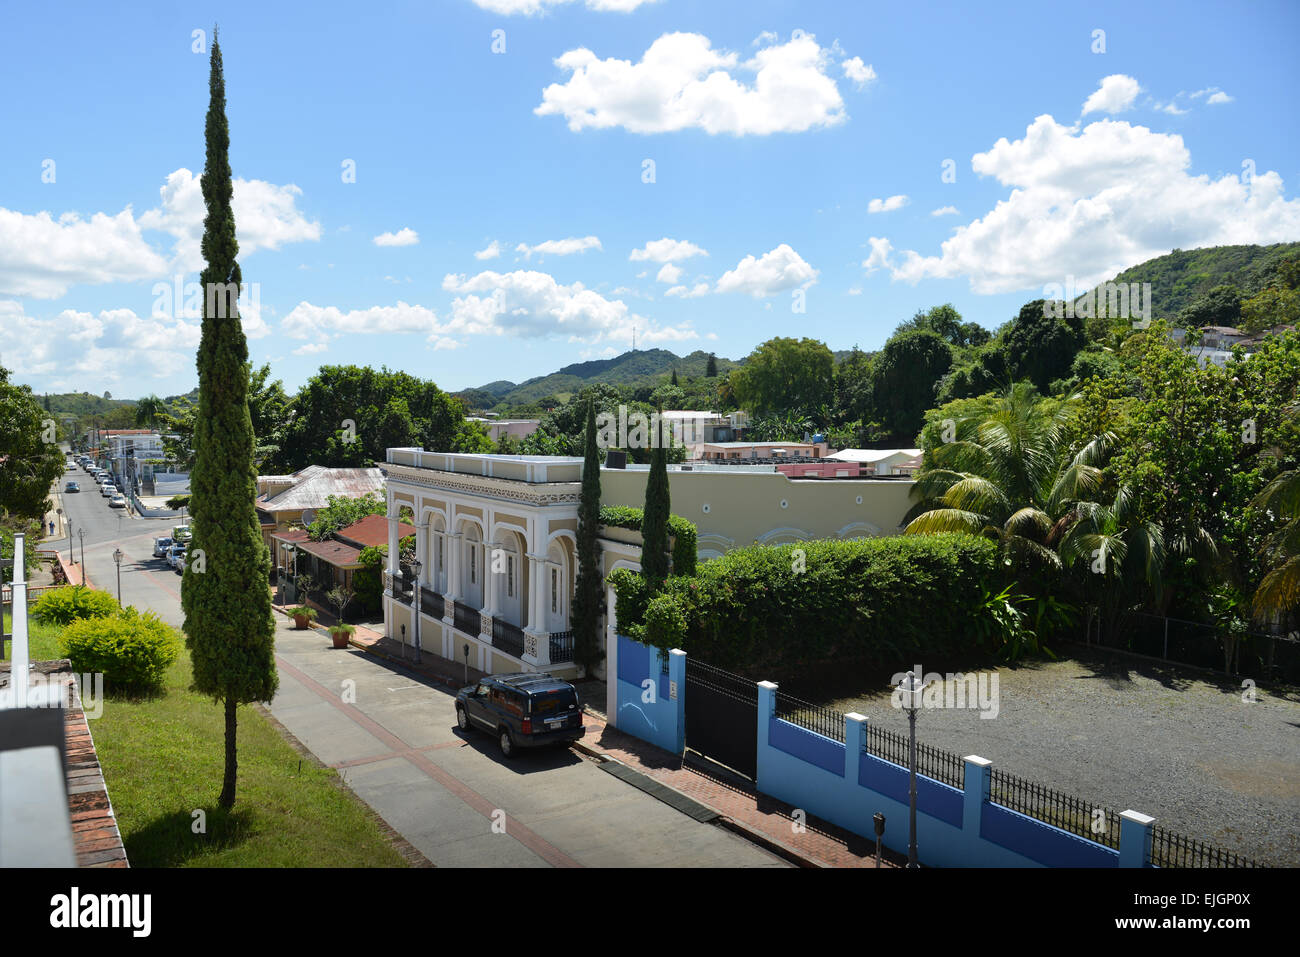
(530, 839)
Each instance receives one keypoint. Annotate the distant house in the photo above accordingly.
(767, 452)
(334, 560)
(1217, 342)
(882, 462)
(285, 500)
(515, 428)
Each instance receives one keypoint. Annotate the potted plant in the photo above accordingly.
(302, 616)
(340, 633)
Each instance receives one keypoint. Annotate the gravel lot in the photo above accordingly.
(1176, 744)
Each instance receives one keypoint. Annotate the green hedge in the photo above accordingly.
(131, 650)
(683, 532)
(882, 598)
(62, 606)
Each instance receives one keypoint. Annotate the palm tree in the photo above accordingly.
(1279, 592)
(1008, 475)
(149, 410)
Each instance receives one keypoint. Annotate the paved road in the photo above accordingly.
(450, 795)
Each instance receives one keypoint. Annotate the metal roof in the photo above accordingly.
(313, 486)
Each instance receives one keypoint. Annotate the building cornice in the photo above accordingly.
(507, 490)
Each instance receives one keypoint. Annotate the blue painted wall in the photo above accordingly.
(661, 720)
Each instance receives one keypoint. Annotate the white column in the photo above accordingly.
(453, 566)
(392, 540)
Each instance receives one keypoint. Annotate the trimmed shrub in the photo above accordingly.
(132, 651)
(773, 606)
(62, 606)
(683, 532)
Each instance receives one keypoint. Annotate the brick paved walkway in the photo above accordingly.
(818, 845)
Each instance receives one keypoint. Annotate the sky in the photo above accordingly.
(474, 190)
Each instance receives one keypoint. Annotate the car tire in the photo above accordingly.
(506, 743)
(462, 719)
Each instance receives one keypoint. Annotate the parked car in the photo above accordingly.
(524, 710)
(161, 545)
(108, 490)
(72, 487)
(117, 501)
(176, 556)
(181, 533)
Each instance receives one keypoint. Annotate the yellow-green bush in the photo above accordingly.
(62, 606)
(133, 651)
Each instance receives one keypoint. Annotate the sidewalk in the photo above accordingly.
(743, 809)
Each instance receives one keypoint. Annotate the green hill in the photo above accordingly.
(1184, 275)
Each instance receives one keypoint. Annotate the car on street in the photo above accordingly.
(523, 710)
(117, 501)
(181, 533)
(176, 556)
(108, 490)
(160, 546)
(72, 487)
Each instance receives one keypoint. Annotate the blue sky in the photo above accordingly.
(798, 189)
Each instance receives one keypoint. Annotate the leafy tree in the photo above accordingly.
(587, 598)
(711, 370)
(149, 411)
(1041, 347)
(1279, 592)
(654, 526)
(228, 623)
(341, 511)
(784, 375)
(28, 464)
(853, 391)
(904, 376)
(1221, 306)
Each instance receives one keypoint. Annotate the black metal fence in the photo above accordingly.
(1257, 655)
(932, 762)
(814, 717)
(431, 603)
(1069, 813)
(467, 619)
(561, 646)
(1174, 850)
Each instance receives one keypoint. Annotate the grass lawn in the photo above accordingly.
(163, 759)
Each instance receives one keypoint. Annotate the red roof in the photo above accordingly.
(373, 531)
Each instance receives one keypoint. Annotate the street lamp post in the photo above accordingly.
(81, 535)
(415, 606)
(117, 560)
(910, 689)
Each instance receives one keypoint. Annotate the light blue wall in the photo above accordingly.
(661, 721)
(846, 786)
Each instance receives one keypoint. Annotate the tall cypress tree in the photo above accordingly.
(229, 627)
(654, 520)
(587, 588)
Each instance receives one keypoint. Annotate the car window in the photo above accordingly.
(554, 702)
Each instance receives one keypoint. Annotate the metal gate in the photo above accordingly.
(722, 716)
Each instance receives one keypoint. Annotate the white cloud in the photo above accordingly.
(666, 251)
(860, 73)
(1218, 97)
(765, 38)
(308, 321)
(491, 251)
(41, 256)
(559, 247)
(1171, 108)
(1089, 203)
(266, 217)
(682, 82)
(694, 292)
(945, 211)
(403, 237)
(311, 348)
(530, 304)
(669, 273)
(113, 346)
(854, 291)
(774, 272)
(1115, 95)
(879, 256)
(887, 205)
(533, 7)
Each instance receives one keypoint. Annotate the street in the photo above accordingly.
(394, 739)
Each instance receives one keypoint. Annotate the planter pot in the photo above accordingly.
(301, 622)
(340, 638)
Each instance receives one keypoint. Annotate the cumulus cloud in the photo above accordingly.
(669, 273)
(109, 347)
(308, 321)
(887, 205)
(1218, 97)
(880, 252)
(692, 292)
(666, 251)
(1115, 95)
(491, 251)
(858, 72)
(682, 82)
(1090, 202)
(559, 247)
(773, 272)
(403, 237)
(41, 256)
(945, 211)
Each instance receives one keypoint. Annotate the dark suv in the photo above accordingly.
(523, 710)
